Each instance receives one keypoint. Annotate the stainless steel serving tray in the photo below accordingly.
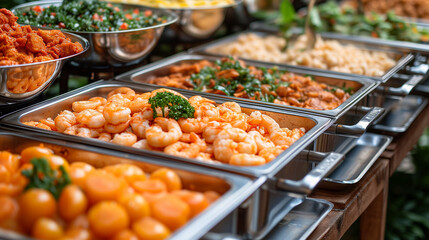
(361, 154)
(302, 220)
(234, 189)
(402, 115)
(404, 53)
(363, 86)
(314, 125)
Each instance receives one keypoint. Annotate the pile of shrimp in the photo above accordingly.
(216, 133)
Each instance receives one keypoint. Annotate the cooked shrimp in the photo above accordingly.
(116, 128)
(119, 100)
(163, 132)
(138, 104)
(87, 132)
(154, 92)
(206, 110)
(64, 120)
(105, 137)
(139, 125)
(124, 91)
(49, 122)
(237, 120)
(285, 136)
(38, 125)
(229, 106)
(115, 114)
(91, 118)
(101, 100)
(80, 106)
(271, 153)
(182, 149)
(232, 141)
(205, 157)
(125, 139)
(261, 141)
(195, 125)
(72, 130)
(212, 129)
(245, 159)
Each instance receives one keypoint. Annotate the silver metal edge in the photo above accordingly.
(405, 59)
(241, 187)
(269, 169)
(173, 17)
(367, 85)
(386, 141)
(393, 131)
(321, 218)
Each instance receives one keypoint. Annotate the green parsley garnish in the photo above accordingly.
(178, 106)
(44, 177)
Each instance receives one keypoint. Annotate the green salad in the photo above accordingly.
(89, 16)
(331, 17)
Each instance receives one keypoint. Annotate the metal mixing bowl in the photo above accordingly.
(24, 81)
(114, 49)
(195, 22)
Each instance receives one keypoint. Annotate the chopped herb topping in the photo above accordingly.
(178, 106)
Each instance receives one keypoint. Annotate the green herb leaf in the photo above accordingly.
(178, 106)
(287, 12)
(44, 177)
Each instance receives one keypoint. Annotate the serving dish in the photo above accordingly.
(302, 220)
(402, 115)
(362, 87)
(41, 74)
(405, 53)
(234, 189)
(114, 49)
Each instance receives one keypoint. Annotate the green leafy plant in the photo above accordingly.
(408, 207)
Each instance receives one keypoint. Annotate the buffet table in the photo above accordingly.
(368, 199)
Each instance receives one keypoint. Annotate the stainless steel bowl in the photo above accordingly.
(195, 22)
(24, 81)
(115, 49)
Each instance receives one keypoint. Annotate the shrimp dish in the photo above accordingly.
(155, 121)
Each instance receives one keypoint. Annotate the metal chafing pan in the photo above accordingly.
(362, 86)
(234, 189)
(260, 213)
(403, 55)
(402, 115)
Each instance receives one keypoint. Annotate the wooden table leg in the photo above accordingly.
(373, 219)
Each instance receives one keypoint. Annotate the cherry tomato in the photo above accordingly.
(78, 233)
(78, 172)
(5, 175)
(79, 222)
(171, 211)
(34, 204)
(72, 202)
(34, 152)
(8, 208)
(101, 185)
(196, 201)
(107, 218)
(56, 161)
(130, 172)
(47, 229)
(211, 196)
(136, 206)
(149, 228)
(9, 160)
(169, 177)
(150, 197)
(153, 186)
(126, 234)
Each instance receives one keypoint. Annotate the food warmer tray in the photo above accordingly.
(235, 188)
(143, 74)
(402, 115)
(267, 206)
(302, 220)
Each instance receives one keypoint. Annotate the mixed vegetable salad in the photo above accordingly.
(89, 16)
(331, 17)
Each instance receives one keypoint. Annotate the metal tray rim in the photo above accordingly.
(405, 58)
(241, 187)
(367, 85)
(269, 169)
